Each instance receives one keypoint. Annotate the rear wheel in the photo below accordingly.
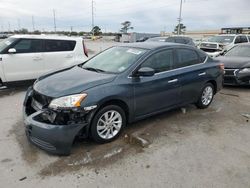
(206, 96)
(108, 123)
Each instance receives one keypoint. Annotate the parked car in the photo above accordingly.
(174, 39)
(142, 39)
(237, 65)
(3, 36)
(219, 44)
(26, 57)
(120, 85)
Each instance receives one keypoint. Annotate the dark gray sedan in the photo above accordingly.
(118, 86)
(237, 65)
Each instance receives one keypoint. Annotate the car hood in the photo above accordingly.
(235, 62)
(70, 81)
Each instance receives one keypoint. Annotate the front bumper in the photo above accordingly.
(233, 77)
(53, 138)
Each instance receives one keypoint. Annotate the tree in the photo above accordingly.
(126, 26)
(96, 30)
(24, 31)
(182, 29)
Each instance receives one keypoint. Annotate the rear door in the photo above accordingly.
(157, 92)
(190, 72)
(26, 63)
(58, 54)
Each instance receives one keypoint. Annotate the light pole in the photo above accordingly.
(54, 15)
(179, 20)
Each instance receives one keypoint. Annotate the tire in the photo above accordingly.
(206, 96)
(103, 129)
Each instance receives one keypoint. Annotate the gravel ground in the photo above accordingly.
(186, 148)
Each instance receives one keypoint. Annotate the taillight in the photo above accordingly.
(222, 67)
(85, 51)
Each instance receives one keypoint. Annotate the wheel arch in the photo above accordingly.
(214, 83)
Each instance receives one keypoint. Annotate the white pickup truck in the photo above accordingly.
(219, 44)
(26, 57)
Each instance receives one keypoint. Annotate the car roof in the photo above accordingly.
(55, 37)
(153, 45)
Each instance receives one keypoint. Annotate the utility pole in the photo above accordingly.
(18, 24)
(71, 29)
(54, 14)
(33, 23)
(92, 8)
(9, 26)
(179, 20)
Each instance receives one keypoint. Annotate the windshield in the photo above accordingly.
(241, 51)
(5, 43)
(114, 60)
(221, 39)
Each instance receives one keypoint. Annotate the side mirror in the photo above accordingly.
(145, 71)
(12, 51)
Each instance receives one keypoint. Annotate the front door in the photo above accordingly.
(158, 92)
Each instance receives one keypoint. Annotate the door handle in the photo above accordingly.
(172, 81)
(37, 58)
(202, 74)
(69, 56)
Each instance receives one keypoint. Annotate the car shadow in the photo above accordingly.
(12, 90)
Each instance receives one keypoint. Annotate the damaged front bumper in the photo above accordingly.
(235, 77)
(52, 131)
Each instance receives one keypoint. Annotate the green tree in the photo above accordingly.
(126, 26)
(182, 29)
(23, 31)
(96, 31)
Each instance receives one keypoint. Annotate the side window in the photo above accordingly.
(180, 41)
(243, 39)
(237, 40)
(186, 57)
(170, 39)
(203, 56)
(248, 38)
(59, 45)
(29, 46)
(160, 61)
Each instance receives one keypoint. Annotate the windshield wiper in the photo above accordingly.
(93, 69)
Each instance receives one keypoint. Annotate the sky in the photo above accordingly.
(147, 16)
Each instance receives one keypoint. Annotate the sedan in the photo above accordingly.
(123, 84)
(237, 65)
(174, 39)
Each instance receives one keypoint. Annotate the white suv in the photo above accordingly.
(26, 57)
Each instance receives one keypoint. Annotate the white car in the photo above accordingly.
(219, 44)
(26, 57)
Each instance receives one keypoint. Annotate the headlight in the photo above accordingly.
(68, 101)
(245, 70)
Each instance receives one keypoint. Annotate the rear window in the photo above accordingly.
(59, 45)
(186, 57)
(180, 41)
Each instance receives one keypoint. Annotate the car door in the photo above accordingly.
(58, 54)
(152, 94)
(190, 73)
(26, 63)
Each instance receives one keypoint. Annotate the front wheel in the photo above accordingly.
(107, 124)
(206, 97)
